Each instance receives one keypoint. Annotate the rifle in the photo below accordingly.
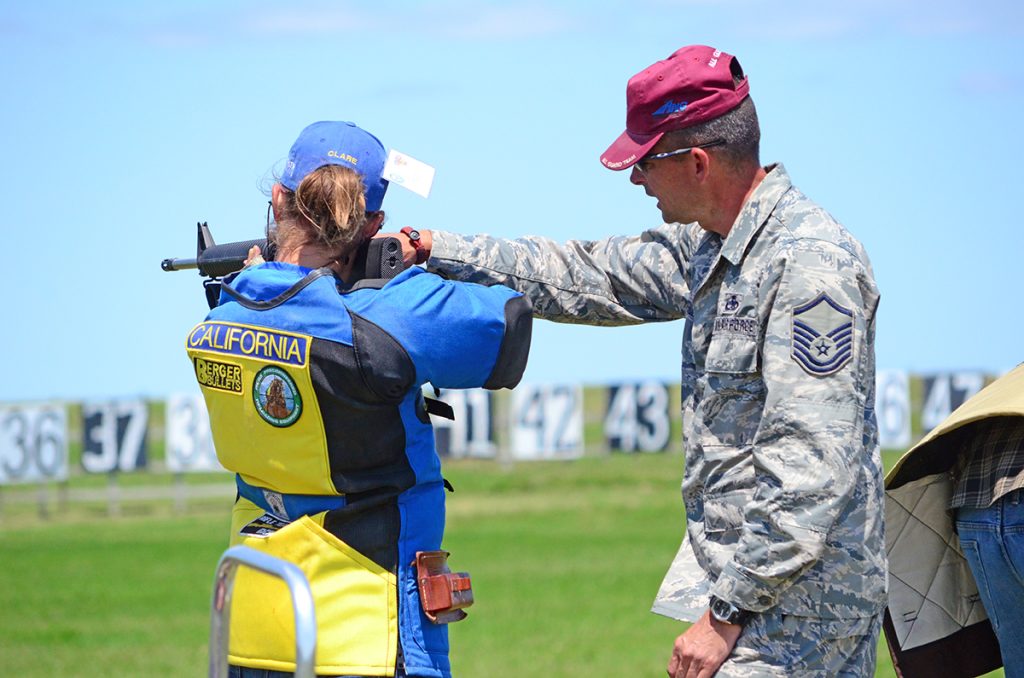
(375, 259)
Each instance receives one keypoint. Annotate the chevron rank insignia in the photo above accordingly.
(822, 336)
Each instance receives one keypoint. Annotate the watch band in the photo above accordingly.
(414, 239)
(727, 613)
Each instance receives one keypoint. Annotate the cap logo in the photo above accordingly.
(714, 58)
(670, 107)
(344, 157)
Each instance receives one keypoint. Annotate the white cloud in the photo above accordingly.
(988, 83)
(802, 27)
(299, 21)
(476, 23)
(812, 19)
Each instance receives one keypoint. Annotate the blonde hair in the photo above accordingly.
(328, 208)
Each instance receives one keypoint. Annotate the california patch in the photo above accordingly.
(276, 396)
(822, 336)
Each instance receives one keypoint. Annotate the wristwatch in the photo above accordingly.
(727, 613)
(414, 239)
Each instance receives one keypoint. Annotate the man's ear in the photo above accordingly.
(701, 164)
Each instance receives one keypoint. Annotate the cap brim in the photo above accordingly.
(627, 149)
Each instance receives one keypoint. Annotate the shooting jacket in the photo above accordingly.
(315, 403)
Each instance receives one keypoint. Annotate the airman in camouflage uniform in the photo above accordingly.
(783, 480)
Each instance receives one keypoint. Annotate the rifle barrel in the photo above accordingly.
(178, 264)
(217, 261)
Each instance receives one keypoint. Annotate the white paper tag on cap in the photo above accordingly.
(409, 172)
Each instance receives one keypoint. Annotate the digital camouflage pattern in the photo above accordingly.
(785, 646)
(783, 481)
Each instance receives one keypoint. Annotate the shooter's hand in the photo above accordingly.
(411, 254)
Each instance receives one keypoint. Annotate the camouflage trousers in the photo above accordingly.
(802, 647)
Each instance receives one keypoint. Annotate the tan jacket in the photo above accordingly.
(935, 622)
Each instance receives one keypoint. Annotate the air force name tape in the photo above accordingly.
(822, 336)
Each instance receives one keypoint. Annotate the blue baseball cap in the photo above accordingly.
(338, 143)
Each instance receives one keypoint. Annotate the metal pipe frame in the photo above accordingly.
(302, 604)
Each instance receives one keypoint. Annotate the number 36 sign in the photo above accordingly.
(33, 444)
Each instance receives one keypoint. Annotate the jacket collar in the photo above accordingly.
(755, 212)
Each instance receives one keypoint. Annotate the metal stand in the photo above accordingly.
(302, 603)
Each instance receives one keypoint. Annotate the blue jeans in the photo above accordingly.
(244, 672)
(993, 541)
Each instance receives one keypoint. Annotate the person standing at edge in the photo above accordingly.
(958, 499)
(783, 567)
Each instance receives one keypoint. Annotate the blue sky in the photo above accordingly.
(123, 124)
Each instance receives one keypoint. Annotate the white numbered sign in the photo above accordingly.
(547, 422)
(189, 443)
(114, 436)
(892, 409)
(33, 444)
(638, 418)
(943, 393)
(471, 434)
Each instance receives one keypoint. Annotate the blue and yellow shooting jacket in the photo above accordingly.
(315, 400)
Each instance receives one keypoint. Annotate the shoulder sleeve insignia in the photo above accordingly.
(822, 336)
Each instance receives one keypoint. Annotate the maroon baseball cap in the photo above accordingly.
(693, 85)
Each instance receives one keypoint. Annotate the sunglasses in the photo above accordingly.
(643, 164)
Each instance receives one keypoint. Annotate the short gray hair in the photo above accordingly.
(738, 128)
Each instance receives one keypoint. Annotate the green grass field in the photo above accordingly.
(565, 558)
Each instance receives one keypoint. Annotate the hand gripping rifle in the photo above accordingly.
(375, 259)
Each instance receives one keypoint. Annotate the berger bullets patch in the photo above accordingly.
(822, 336)
(276, 396)
(264, 526)
(218, 375)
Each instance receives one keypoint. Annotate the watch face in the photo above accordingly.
(724, 611)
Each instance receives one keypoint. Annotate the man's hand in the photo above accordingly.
(408, 251)
(701, 650)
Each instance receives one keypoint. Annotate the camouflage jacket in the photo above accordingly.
(783, 480)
